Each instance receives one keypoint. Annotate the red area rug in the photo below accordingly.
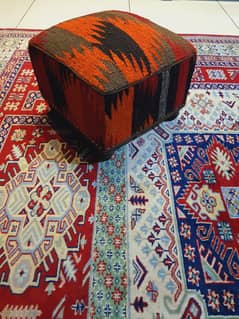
(184, 198)
(47, 200)
(151, 233)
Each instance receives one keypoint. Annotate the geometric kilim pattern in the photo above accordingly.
(47, 200)
(205, 187)
(108, 297)
(101, 63)
(183, 198)
(40, 207)
(151, 233)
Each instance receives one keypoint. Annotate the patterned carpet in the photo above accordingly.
(151, 233)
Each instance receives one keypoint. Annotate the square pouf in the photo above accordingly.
(110, 76)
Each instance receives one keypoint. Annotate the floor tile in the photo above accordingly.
(45, 13)
(232, 9)
(205, 17)
(11, 12)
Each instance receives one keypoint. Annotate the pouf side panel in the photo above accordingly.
(180, 79)
(69, 96)
(118, 117)
(41, 75)
(184, 80)
(85, 110)
(135, 110)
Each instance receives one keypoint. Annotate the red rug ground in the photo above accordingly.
(47, 200)
(152, 233)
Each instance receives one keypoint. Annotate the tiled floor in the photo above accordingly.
(203, 17)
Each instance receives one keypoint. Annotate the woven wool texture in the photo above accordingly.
(112, 74)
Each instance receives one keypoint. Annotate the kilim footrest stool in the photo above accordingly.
(109, 77)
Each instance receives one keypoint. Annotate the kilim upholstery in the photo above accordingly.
(111, 76)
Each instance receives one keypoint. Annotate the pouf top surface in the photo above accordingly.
(112, 50)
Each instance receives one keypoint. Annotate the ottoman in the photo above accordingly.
(109, 77)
